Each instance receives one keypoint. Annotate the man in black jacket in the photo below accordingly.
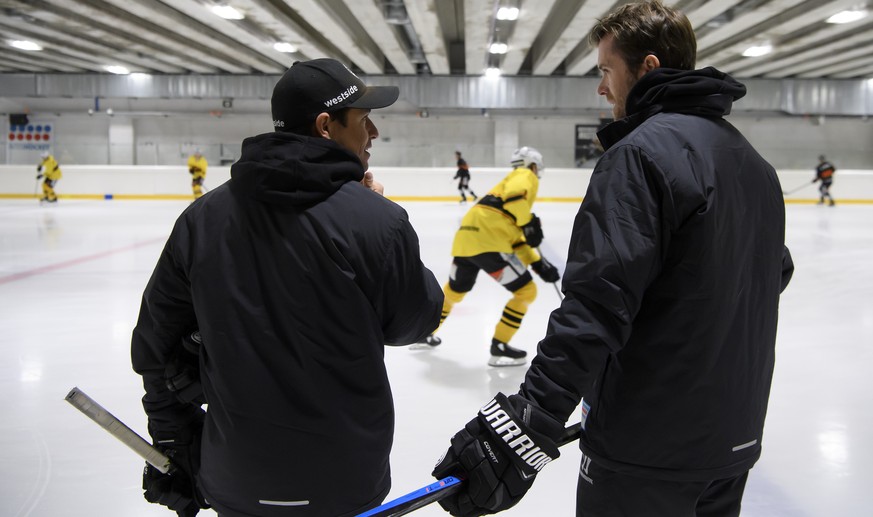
(296, 276)
(667, 332)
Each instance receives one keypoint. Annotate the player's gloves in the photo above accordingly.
(182, 374)
(177, 490)
(39, 176)
(546, 270)
(533, 231)
(191, 170)
(498, 453)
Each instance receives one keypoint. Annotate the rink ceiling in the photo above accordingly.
(415, 37)
(185, 59)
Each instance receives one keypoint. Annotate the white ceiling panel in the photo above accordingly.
(427, 37)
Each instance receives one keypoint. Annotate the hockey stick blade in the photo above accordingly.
(444, 487)
(116, 428)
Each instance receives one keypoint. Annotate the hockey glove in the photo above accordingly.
(177, 490)
(182, 374)
(546, 270)
(39, 176)
(533, 231)
(498, 453)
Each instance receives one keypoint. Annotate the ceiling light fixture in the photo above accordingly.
(116, 69)
(492, 72)
(847, 16)
(285, 47)
(758, 50)
(498, 48)
(227, 12)
(25, 45)
(507, 13)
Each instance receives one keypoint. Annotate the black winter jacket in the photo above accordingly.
(297, 277)
(674, 272)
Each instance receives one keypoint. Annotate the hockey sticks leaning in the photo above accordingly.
(444, 487)
(116, 427)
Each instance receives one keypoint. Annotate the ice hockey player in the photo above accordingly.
(824, 172)
(463, 177)
(49, 169)
(499, 235)
(197, 166)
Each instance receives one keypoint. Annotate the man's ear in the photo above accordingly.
(650, 63)
(322, 125)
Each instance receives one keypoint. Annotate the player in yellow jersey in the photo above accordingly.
(197, 168)
(499, 235)
(49, 169)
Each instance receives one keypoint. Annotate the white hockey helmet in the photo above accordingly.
(524, 156)
(44, 155)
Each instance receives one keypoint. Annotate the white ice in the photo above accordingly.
(71, 277)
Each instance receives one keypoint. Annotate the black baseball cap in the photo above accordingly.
(323, 85)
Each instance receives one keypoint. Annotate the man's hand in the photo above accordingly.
(372, 184)
(177, 490)
(533, 231)
(546, 270)
(498, 454)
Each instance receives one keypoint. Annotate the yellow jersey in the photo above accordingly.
(197, 166)
(494, 223)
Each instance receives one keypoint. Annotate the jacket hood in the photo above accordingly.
(291, 169)
(706, 92)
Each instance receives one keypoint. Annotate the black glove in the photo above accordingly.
(533, 231)
(177, 490)
(546, 270)
(498, 453)
(182, 374)
(39, 176)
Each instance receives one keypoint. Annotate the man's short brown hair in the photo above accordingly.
(649, 28)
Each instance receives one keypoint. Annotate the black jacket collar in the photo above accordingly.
(706, 92)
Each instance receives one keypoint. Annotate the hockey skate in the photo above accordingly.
(505, 355)
(427, 343)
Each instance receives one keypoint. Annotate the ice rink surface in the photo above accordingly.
(71, 277)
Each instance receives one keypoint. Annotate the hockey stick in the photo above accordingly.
(557, 289)
(444, 487)
(795, 190)
(116, 427)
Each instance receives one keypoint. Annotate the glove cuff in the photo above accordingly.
(512, 422)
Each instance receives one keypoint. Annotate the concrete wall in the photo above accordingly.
(426, 183)
(411, 141)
